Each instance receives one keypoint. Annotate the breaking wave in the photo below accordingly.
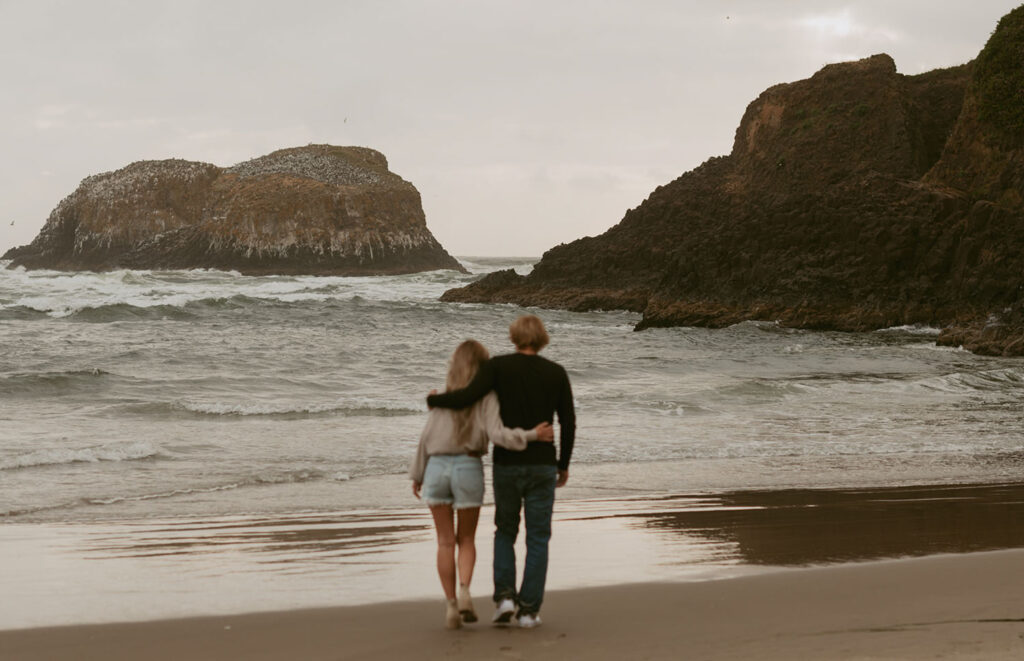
(912, 329)
(987, 381)
(147, 295)
(127, 451)
(366, 407)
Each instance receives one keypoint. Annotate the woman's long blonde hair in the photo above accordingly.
(466, 361)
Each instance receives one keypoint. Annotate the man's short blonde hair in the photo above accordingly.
(527, 332)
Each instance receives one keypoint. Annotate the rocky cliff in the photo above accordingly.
(854, 200)
(311, 210)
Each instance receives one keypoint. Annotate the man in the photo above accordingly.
(530, 389)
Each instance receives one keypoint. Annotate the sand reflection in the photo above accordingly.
(804, 527)
(146, 569)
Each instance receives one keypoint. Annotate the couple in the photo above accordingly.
(510, 400)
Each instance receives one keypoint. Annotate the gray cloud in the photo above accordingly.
(522, 124)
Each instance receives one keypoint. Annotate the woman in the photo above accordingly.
(449, 471)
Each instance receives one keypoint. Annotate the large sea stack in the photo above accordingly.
(854, 200)
(318, 210)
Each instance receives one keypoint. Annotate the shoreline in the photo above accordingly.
(151, 570)
(948, 605)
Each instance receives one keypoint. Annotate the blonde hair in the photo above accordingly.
(527, 332)
(466, 361)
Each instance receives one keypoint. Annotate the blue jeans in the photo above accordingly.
(532, 489)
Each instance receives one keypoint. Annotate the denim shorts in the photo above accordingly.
(453, 479)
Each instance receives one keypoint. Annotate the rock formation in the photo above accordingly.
(319, 210)
(854, 200)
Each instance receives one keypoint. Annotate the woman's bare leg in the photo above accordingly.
(444, 523)
(466, 537)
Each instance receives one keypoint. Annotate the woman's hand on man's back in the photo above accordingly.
(545, 432)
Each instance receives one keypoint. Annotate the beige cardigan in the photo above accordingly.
(438, 435)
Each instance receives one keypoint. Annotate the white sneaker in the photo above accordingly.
(528, 621)
(503, 611)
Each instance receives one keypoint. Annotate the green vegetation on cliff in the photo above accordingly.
(998, 83)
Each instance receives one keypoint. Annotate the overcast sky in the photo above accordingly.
(523, 124)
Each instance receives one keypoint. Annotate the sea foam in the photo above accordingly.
(121, 451)
(116, 293)
(349, 407)
(912, 329)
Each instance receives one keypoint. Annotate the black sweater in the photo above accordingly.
(531, 390)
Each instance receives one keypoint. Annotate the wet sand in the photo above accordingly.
(953, 606)
(777, 574)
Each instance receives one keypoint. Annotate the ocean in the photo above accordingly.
(135, 394)
(188, 442)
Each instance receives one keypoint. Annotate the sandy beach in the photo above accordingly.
(760, 267)
(952, 606)
(800, 574)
